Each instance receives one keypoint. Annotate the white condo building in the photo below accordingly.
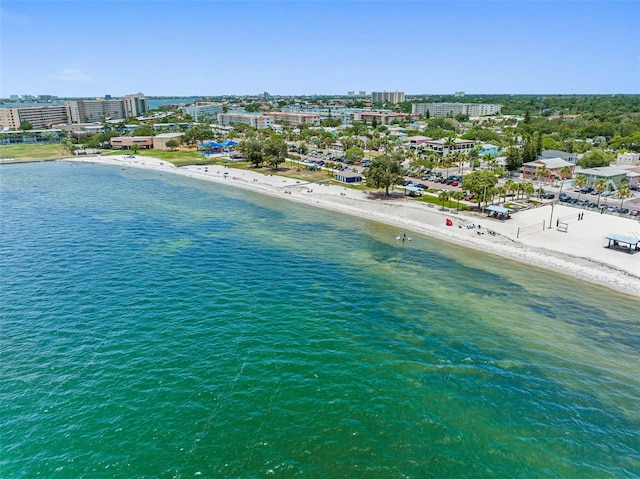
(452, 109)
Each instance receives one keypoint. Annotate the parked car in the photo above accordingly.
(582, 202)
(455, 183)
(606, 193)
(634, 213)
(612, 209)
(624, 211)
(549, 196)
(592, 205)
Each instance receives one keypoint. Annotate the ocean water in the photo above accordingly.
(159, 326)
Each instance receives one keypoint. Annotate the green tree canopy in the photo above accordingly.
(595, 158)
(354, 154)
(275, 151)
(478, 182)
(252, 150)
(384, 172)
(144, 130)
(25, 125)
(172, 144)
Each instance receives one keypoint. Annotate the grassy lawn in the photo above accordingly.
(40, 151)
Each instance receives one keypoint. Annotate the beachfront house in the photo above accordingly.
(348, 177)
(569, 157)
(612, 176)
(533, 170)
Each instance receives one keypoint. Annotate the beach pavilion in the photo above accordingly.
(499, 212)
(618, 239)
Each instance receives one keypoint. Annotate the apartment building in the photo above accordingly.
(203, 111)
(295, 119)
(380, 117)
(100, 109)
(254, 120)
(387, 96)
(436, 110)
(443, 148)
(38, 116)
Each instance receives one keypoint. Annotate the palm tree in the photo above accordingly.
(528, 189)
(600, 186)
(623, 192)
(543, 171)
(502, 191)
(580, 181)
(458, 195)
(449, 142)
(509, 186)
(444, 196)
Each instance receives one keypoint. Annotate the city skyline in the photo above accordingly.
(200, 48)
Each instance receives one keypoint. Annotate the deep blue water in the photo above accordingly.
(157, 326)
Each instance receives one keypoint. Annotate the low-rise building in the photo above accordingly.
(533, 170)
(612, 175)
(203, 111)
(160, 141)
(144, 142)
(443, 147)
(569, 157)
(255, 120)
(632, 159)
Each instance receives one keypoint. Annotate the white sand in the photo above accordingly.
(580, 252)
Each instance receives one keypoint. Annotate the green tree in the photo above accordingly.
(252, 150)
(354, 154)
(303, 149)
(172, 144)
(513, 159)
(478, 182)
(275, 151)
(134, 148)
(384, 172)
(69, 145)
(595, 158)
(25, 125)
(144, 130)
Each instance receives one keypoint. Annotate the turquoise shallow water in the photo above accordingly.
(156, 326)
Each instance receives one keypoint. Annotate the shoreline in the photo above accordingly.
(580, 252)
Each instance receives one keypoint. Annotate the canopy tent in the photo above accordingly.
(498, 209)
(498, 212)
(632, 241)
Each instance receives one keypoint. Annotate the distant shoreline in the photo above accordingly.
(550, 250)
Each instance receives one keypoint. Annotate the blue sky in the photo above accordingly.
(93, 48)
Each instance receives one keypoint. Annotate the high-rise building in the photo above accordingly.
(387, 96)
(362, 93)
(351, 93)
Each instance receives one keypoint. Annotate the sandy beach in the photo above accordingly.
(580, 252)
